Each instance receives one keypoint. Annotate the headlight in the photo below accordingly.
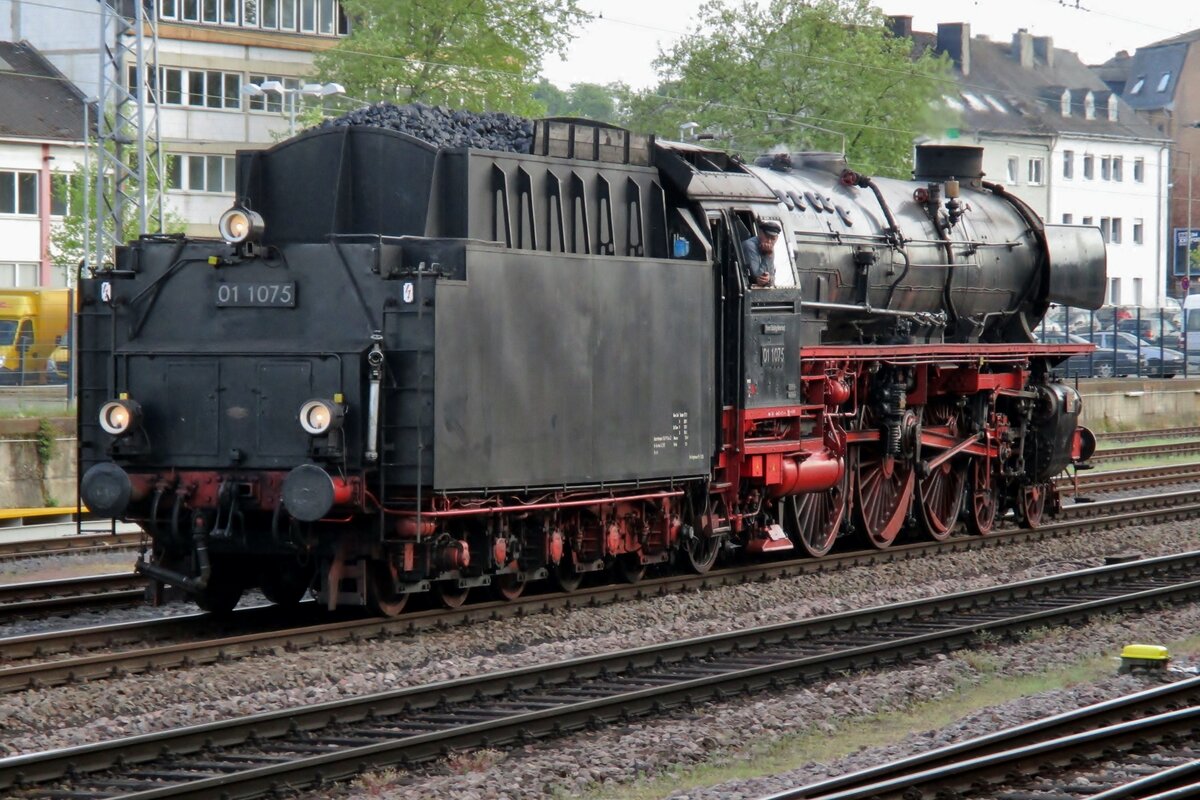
(319, 417)
(120, 417)
(239, 224)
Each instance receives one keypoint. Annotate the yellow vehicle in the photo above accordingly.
(33, 323)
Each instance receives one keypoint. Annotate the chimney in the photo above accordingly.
(901, 26)
(1043, 49)
(1022, 48)
(954, 38)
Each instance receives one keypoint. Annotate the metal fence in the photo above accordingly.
(1130, 341)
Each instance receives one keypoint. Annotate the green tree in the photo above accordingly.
(474, 54)
(589, 100)
(67, 235)
(760, 78)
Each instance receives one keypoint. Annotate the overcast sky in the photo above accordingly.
(621, 43)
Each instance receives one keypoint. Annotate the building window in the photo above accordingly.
(1163, 81)
(1105, 168)
(1089, 106)
(1137, 231)
(270, 101)
(1117, 168)
(287, 15)
(1068, 219)
(1138, 84)
(201, 173)
(1106, 228)
(1068, 164)
(63, 188)
(1065, 103)
(1089, 167)
(321, 17)
(1014, 167)
(18, 193)
(18, 275)
(1137, 291)
(1115, 236)
(1139, 170)
(205, 88)
(1114, 291)
(1035, 172)
(1086, 221)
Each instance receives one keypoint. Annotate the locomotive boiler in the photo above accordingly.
(409, 370)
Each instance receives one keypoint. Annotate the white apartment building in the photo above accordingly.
(1064, 143)
(41, 143)
(209, 50)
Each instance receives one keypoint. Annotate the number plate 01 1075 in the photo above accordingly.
(256, 295)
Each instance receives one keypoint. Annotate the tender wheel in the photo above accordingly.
(941, 491)
(450, 594)
(509, 585)
(700, 552)
(219, 597)
(883, 488)
(1032, 505)
(983, 503)
(287, 586)
(382, 597)
(817, 517)
(629, 568)
(565, 577)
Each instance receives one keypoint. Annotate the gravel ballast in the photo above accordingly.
(63, 716)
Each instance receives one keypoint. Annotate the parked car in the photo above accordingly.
(1157, 361)
(1099, 363)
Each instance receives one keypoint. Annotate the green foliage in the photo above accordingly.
(1194, 260)
(481, 55)
(760, 79)
(67, 236)
(589, 100)
(46, 434)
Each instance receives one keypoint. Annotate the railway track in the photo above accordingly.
(1144, 451)
(1191, 432)
(80, 543)
(1051, 756)
(23, 600)
(60, 657)
(259, 754)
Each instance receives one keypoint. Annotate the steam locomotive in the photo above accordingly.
(409, 370)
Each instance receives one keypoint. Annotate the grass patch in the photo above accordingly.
(791, 752)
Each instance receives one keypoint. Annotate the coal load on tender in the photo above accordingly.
(438, 125)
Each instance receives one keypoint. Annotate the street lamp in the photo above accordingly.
(289, 94)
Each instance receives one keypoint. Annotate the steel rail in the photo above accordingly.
(67, 545)
(257, 754)
(19, 600)
(1064, 757)
(1150, 433)
(1141, 451)
(863, 783)
(265, 633)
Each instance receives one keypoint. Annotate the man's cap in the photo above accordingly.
(770, 227)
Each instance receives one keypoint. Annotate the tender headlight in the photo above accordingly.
(319, 417)
(240, 224)
(120, 417)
